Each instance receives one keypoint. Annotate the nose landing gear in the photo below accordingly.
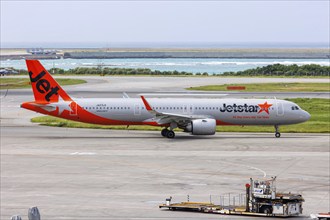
(277, 132)
(168, 133)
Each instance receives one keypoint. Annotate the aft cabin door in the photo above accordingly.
(74, 109)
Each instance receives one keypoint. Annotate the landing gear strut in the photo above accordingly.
(168, 133)
(277, 132)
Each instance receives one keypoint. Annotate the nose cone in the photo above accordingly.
(305, 116)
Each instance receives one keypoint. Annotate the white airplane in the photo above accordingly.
(196, 116)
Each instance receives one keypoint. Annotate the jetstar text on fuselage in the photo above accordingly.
(239, 108)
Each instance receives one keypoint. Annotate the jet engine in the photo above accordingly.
(202, 126)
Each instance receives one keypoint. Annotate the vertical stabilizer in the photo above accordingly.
(44, 86)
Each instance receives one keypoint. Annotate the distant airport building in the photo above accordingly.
(36, 51)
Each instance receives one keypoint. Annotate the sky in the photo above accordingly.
(110, 23)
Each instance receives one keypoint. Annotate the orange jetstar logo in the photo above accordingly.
(264, 107)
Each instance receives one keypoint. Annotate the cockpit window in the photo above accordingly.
(294, 108)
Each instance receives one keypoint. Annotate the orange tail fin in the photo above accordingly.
(44, 86)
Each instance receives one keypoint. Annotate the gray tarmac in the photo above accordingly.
(107, 174)
(114, 86)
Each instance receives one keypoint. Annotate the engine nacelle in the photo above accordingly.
(202, 126)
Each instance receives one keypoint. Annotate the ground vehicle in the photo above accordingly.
(261, 199)
(265, 199)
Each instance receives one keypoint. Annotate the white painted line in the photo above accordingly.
(255, 168)
(83, 153)
(250, 167)
(197, 184)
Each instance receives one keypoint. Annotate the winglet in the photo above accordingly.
(148, 107)
(125, 95)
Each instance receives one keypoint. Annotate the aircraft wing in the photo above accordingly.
(164, 118)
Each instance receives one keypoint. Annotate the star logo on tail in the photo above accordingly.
(63, 105)
(264, 107)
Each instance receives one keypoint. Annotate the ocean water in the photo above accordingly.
(211, 66)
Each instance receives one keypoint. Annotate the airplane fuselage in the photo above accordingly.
(131, 111)
(197, 116)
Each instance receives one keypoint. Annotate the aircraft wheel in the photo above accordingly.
(277, 134)
(170, 134)
(164, 132)
(265, 210)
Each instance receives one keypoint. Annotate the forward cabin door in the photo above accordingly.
(279, 108)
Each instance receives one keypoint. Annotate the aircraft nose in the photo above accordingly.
(305, 116)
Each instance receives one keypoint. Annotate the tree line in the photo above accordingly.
(270, 70)
(120, 71)
(284, 70)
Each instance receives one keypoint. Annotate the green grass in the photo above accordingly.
(20, 83)
(318, 108)
(270, 87)
(59, 122)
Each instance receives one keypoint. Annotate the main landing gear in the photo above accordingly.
(277, 132)
(168, 133)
